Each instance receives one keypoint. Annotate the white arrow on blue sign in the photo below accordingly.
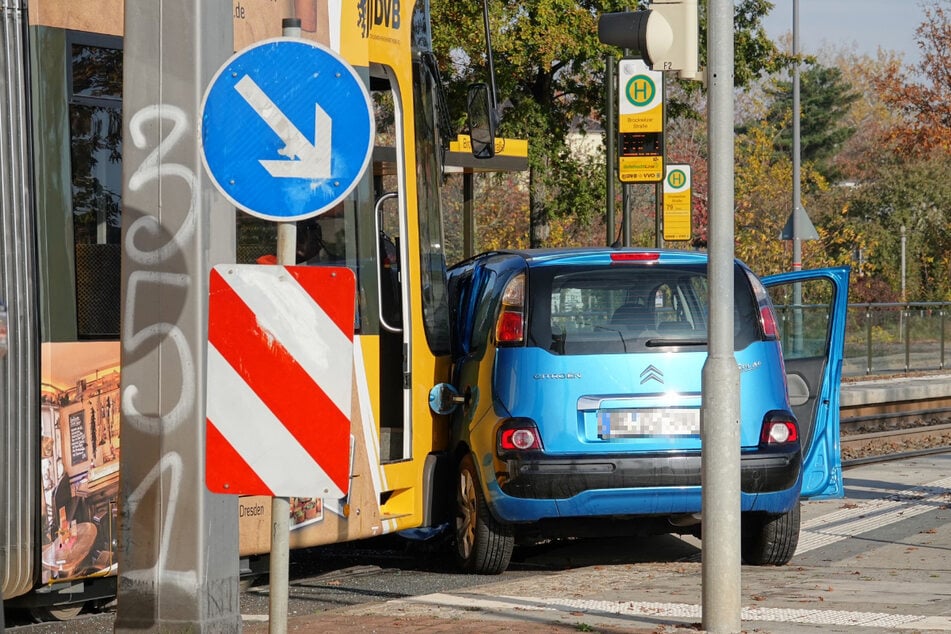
(286, 129)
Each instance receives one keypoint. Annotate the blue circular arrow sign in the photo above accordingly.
(286, 129)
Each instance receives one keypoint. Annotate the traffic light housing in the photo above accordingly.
(665, 35)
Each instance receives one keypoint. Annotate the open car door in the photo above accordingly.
(811, 309)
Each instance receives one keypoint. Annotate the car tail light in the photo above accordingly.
(639, 256)
(520, 434)
(779, 429)
(510, 327)
(768, 320)
(767, 316)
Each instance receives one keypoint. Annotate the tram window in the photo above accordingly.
(95, 126)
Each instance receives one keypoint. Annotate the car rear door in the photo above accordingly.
(811, 312)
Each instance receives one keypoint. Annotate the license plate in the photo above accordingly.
(638, 423)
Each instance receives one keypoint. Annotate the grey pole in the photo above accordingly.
(610, 152)
(626, 214)
(720, 425)
(903, 269)
(797, 188)
(796, 184)
(178, 543)
(279, 562)
(659, 187)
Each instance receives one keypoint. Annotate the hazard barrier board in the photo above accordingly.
(279, 380)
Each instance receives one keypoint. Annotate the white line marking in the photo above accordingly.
(509, 605)
(868, 516)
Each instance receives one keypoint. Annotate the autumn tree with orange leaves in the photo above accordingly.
(924, 101)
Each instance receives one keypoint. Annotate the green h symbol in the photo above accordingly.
(640, 90)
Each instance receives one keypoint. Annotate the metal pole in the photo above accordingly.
(797, 188)
(659, 187)
(720, 424)
(626, 214)
(279, 564)
(610, 149)
(903, 296)
(796, 185)
(941, 357)
(626, 201)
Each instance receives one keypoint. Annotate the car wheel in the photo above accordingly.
(483, 545)
(770, 540)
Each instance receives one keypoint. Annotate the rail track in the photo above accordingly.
(896, 430)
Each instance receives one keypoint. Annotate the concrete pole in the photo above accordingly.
(720, 425)
(178, 543)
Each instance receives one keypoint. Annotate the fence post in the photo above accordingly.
(941, 357)
(868, 339)
(906, 332)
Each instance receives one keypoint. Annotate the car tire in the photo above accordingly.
(770, 540)
(483, 544)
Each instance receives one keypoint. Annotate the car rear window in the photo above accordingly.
(585, 309)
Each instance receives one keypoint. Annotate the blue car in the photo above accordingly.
(576, 397)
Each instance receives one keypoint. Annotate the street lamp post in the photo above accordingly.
(797, 191)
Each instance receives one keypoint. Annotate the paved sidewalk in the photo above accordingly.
(336, 622)
(666, 598)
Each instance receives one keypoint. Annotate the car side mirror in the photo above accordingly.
(444, 399)
(481, 118)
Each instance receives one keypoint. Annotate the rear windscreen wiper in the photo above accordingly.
(660, 343)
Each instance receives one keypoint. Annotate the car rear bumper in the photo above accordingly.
(541, 477)
(623, 486)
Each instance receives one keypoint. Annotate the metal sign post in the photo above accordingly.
(640, 122)
(279, 562)
(287, 134)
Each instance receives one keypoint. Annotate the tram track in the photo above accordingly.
(895, 430)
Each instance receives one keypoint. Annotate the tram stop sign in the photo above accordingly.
(286, 129)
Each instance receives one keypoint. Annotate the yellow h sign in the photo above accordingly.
(677, 203)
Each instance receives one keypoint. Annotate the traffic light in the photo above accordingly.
(665, 35)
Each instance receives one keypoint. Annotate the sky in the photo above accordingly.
(868, 24)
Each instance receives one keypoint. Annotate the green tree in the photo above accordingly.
(916, 196)
(549, 66)
(825, 102)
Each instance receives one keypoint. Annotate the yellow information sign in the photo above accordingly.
(678, 205)
(640, 169)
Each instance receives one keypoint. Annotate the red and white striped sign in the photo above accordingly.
(280, 368)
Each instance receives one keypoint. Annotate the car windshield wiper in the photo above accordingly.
(660, 343)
